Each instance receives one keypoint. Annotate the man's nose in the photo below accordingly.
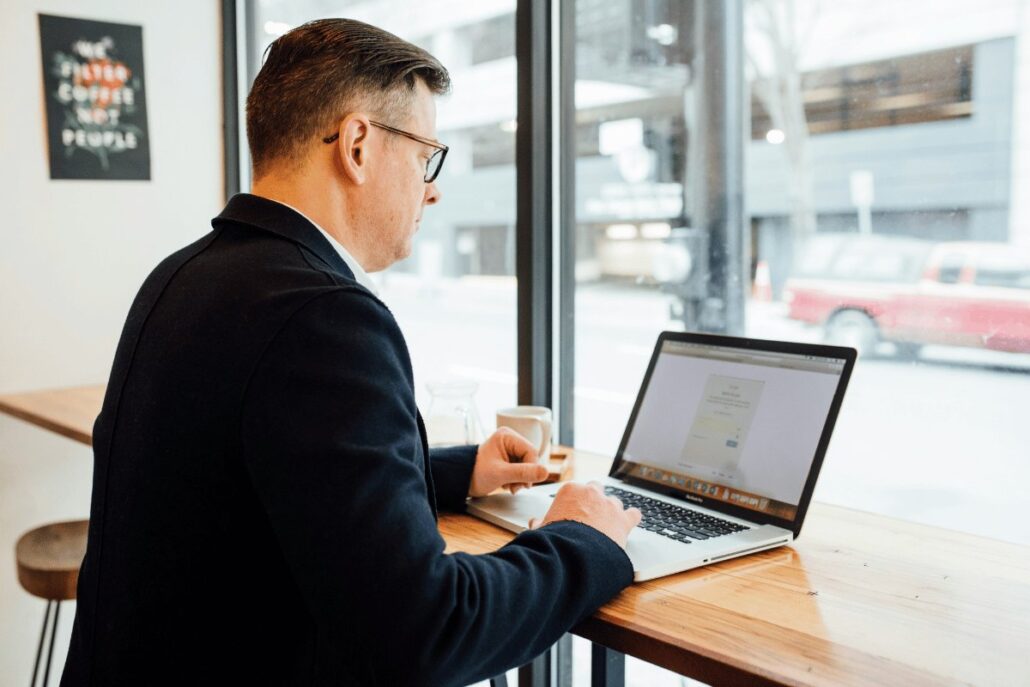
(432, 194)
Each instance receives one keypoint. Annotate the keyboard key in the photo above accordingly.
(675, 522)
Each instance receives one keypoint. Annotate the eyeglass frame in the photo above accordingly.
(440, 147)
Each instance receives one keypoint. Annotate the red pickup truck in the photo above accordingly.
(866, 289)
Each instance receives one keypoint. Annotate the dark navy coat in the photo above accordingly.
(264, 502)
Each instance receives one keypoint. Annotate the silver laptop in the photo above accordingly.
(721, 452)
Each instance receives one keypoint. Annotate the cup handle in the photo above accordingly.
(545, 437)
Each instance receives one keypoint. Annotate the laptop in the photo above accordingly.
(721, 452)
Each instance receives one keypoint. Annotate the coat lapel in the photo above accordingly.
(276, 218)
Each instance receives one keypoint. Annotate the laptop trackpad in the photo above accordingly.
(512, 512)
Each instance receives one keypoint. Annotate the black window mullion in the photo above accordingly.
(230, 99)
(534, 213)
(567, 212)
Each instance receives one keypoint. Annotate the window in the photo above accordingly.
(492, 39)
(907, 89)
(1009, 278)
(950, 269)
(454, 297)
(493, 145)
(879, 176)
(1005, 267)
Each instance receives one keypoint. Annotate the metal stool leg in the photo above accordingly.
(53, 640)
(42, 636)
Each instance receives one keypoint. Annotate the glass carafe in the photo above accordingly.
(452, 419)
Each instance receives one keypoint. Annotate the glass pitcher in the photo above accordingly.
(452, 419)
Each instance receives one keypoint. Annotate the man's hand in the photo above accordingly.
(506, 460)
(586, 503)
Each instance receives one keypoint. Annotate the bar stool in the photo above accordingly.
(48, 567)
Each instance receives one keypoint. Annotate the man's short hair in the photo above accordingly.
(321, 71)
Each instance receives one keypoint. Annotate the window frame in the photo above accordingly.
(545, 161)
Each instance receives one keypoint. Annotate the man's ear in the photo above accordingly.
(352, 149)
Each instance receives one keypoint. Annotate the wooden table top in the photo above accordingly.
(858, 599)
(70, 412)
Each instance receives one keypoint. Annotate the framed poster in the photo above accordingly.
(96, 107)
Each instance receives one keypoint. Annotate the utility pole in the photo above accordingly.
(716, 189)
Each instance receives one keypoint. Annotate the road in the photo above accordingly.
(944, 440)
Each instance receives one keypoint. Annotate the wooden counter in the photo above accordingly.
(859, 599)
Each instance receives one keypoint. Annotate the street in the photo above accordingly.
(944, 440)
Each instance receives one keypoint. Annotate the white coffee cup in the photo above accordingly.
(532, 422)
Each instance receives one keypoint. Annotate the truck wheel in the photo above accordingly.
(855, 329)
(906, 350)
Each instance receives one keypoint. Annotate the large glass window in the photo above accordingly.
(881, 204)
(454, 297)
(880, 190)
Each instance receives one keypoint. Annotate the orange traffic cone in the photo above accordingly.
(761, 290)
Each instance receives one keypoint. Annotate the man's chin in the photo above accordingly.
(405, 252)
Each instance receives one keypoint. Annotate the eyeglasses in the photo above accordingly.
(433, 165)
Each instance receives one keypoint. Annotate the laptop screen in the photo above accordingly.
(740, 426)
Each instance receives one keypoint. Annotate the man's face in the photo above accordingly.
(398, 193)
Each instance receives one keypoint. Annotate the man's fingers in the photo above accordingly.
(534, 523)
(635, 515)
(519, 448)
(526, 473)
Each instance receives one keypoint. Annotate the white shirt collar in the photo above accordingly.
(359, 274)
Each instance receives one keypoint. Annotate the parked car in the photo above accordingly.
(866, 289)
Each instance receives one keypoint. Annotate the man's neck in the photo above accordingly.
(324, 209)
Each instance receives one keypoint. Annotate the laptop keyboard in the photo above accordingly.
(682, 524)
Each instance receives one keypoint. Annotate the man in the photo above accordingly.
(264, 503)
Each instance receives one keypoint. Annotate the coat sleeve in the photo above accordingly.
(330, 440)
(452, 475)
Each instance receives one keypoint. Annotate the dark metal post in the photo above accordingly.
(552, 668)
(240, 64)
(537, 242)
(607, 667)
(534, 216)
(538, 672)
(567, 225)
(718, 188)
(563, 661)
(230, 99)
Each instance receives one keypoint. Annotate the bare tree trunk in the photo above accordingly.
(781, 94)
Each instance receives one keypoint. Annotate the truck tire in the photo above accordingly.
(853, 328)
(907, 350)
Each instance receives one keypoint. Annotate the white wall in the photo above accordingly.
(73, 254)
